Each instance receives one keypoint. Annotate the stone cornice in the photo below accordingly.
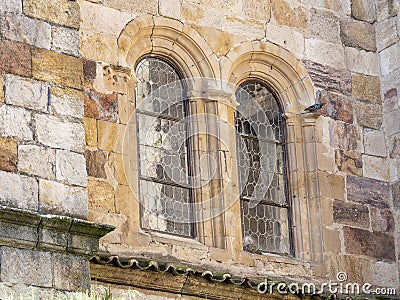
(30, 230)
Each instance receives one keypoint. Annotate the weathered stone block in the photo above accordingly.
(355, 267)
(8, 154)
(395, 190)
(71, 168)
(348, 162)
(125, 109)
(90, 126)
(394, 147)
(25, 92)
(26, 266)
(71, 273)
(392, 122)
(116, 164)
(15, 58)
(287, 37)
(66, 102)
(376, 168)
(368, 114)
(386, 9)
(89, 72)
(65, 40)
(170, 8)
(101, 195)
(345, 136)
(95, 162)
(56, 133)
(361, 61)
(58, 68)
(336, 107)
(53, 233)
(324, 25)
(366, 87)
(15, 122)
(63, 12)
(329, 78)
(363, 10)
(374, 244)
(57, 198)
(289, 16)
(386, 33)
(110, 136)
(325, 53)
(390, 58)
(390, 101)
(14, 6)
(135, 6)
(374, 143)
(36, 160)
(123, 200)
(351, 214)
(256, 9)
(382, 220)
(101, 106)
(358, 34)
(331, 185)
(26, 30)
(368, 191)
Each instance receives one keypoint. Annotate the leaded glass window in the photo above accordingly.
(262, 170)
(164, 185)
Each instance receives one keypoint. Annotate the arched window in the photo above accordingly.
(164, 186)
(265, 206)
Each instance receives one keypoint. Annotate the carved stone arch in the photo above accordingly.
(275, 66)
(169, 38)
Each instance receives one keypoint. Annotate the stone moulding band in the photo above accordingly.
(29, 230)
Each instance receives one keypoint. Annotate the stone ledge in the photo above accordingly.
(29, 230)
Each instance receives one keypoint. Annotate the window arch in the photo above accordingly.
(265, 206)
(164, 187)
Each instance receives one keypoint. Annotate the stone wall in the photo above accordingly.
(68, 99)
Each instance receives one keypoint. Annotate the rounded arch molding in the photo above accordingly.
(180, 43)
(275, 66)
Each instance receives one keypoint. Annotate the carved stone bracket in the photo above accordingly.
(29, 230)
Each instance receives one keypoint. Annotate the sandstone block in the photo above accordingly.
(331, 185)
(90, 127)
(8, 154)
(386, 33)
(382, 220)
(390, 58)
(351, 214)
(366, 87)
(355, 267)
(368, 191)
(348, 162)
(101, 106)
(66, 40)
(286, 37)
(368, 114)
(170, 8)
(25, 92)
(110, 136)
(384, 273)
(394, 146)
(336, 107)
(345, 136)
(58, 68)
(331, 240)
(71, 168)
(56, 133)
(386, 9)
(287, 15)
(14, 6)
(123, 200)
(390, 101)
(376, 168)
(363, 10)
(125, 109)
(18, 191)
(15, 58)
(116, 164)
(392, 122)
(36, 160)
(329, 78)
(26, 30)
(358, 34)
(29, 267)
(15, 122)
(95, 162)
(135, 6)
(374, 143)
(62, 12)
(89, 72)
(101, 195)
(374, 244)
(57, 198)
(66, 102)
(324, 25)
(71, 273)
(325, 53)
(257, 9)
(361, 61)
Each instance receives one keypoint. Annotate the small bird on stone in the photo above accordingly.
(314, 107)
